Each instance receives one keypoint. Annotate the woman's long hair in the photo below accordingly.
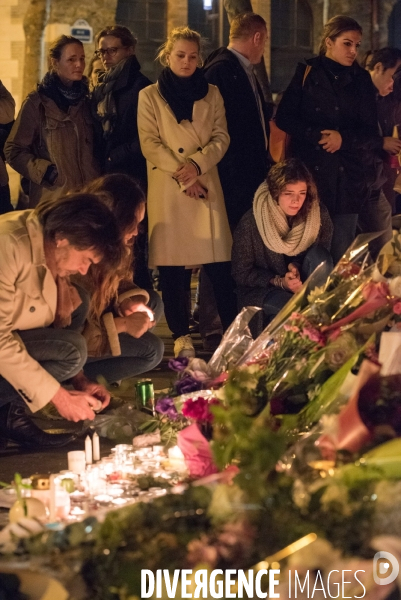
(291, 171)
(124, 197)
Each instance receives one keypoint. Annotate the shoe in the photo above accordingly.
(183, 347)
(17, 426)
(212, 342)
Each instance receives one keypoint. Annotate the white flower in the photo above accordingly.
(377, 276)
(395, 286)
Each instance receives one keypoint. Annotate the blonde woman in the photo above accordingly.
(183, 134)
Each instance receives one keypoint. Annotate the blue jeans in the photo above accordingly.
(138, 355)
(61, 352)
(276, 298)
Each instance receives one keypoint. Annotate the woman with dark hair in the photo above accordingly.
(329, 109)
(41, 313)
(120, 314)
(281, 241)
(51, 142)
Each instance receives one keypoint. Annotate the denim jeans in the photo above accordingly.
(61, 352)
(276, 298)
(138, 355)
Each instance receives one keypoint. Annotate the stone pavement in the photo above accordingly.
(28, 462)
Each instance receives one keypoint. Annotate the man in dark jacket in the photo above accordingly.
(244, 166)
(376, 211)
(115, 101)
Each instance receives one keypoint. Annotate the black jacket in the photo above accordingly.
(348, 105)
(122, 151)
(244, 166)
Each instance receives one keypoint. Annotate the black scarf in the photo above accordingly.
(104, 102)
(63, 96)
(180, 93)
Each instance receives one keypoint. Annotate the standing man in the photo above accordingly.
(244, 166)
(376, 213)
(116, 102)
(116, 105)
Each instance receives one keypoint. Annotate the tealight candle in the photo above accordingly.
(176, 459)
(76, 461)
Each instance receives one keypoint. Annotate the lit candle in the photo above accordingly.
(88, 450)
(176, 459)
(96, 447)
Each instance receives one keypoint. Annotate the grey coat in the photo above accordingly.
(254, 265)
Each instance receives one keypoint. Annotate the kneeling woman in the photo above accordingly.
(281, 240)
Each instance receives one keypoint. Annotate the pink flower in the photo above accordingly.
(313, 334)
(293, 328)
(397, 308)
(198, 409)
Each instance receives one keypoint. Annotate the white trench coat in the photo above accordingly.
(184, 231)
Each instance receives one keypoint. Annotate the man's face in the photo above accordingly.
(383, 78)
(71, 260)
(112, 51)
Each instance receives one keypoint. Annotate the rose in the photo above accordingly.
(187, 384)
(199, 409)
(397, 308)
(340, 350)
(178, 364)
(166, 406)
(314, 335)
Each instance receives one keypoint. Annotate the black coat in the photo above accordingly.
(344, 179)
(244, 166)
(122, 151)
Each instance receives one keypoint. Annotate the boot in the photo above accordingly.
(17, 426)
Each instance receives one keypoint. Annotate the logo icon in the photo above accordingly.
(381, 568)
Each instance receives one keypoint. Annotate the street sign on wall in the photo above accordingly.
(82, 31)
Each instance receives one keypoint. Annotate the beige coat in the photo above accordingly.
(43, 135)
(28, 298)
(184, 231)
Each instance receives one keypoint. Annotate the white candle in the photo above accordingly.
(96, 447)
(76, 461)
(88, 450)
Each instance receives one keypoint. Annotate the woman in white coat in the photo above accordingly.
(183, 134)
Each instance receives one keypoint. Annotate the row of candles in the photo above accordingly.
(93, 486)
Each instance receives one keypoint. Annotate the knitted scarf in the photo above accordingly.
(180, 93)
(274, 229)
(104, 101)
(63, 96)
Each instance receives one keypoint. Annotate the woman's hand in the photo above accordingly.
(196, 191)
(135, 324)
(135, 304)
(186, 173)
(331, 140)
(292, 282)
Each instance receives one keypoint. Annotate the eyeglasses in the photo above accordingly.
(110, 51)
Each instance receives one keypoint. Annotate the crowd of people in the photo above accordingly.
(126, 175)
